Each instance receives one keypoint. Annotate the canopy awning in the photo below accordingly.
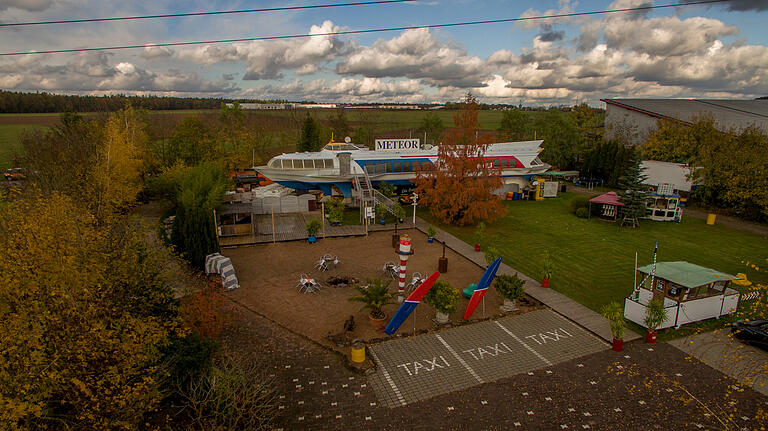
(686, 274)
(610, 198)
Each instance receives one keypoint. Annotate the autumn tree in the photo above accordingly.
(235, 143)
(560, 139)
(730, 166)
(432, 127)
(515, 126)
(83, 317)
(63, 157)
(117, 175)
(191, 142)
(459, 188)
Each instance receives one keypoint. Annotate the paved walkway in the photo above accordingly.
(417, 368)
(744, 363)
(560, 303)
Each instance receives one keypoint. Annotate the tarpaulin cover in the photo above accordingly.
(217, 264)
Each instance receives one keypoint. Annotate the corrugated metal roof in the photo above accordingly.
(727, 113)
(686, 274)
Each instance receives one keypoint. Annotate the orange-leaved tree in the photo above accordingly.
(458, 189)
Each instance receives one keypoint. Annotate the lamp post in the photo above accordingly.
(414, 202)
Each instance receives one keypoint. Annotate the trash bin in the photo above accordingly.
(711, 218)
(357, 353)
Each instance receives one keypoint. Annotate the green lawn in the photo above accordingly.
(9, 141)
(594, 259)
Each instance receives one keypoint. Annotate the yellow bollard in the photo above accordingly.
(358, 352)
(711, 218)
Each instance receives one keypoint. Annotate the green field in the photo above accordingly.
(9, 141)
(594, 259)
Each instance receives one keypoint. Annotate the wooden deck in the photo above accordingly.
(292, 227)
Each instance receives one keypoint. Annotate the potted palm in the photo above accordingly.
(381, 212)
(548, 268)
(479, 235)
(313, 227)
(614, 312)
(431, 232)
(375, 296)
(509, 287)
(445, 299)
(655, 316)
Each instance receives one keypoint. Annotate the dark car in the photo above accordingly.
(754, 332)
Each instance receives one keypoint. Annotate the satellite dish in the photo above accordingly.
(347, 139)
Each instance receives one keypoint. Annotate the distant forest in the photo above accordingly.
(27, 103)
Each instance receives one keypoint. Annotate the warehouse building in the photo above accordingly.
(633, 120)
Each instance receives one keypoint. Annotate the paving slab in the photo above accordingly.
(416, 368)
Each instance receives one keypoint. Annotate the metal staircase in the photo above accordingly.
(368, 194)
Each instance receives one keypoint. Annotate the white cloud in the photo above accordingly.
(28, 5)
(268, 59)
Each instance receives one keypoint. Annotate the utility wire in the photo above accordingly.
(226, 12)
(377, 30)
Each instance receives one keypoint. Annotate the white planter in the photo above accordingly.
(441, 318)
(508, 306)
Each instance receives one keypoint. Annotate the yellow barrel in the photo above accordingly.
(358, 352)
(711, 218)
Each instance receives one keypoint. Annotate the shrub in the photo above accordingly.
(443, 296)
(431, 232)
(386, 189)
(614, 312)
(313, 227)
(580, 201)
(510, 287)
(490, 253)
(582, 212)
(375, 296)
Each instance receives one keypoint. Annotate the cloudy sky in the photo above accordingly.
(715, 51)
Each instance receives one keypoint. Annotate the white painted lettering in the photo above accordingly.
(533, 337)
(470, 352)
(416, 366)
(434, 363)
(446, 362)
(480, 351)
(508, 349)
(405, 365)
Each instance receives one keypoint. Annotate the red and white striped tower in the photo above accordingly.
(404, 251)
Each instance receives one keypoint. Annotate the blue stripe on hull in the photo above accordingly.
(402, 313)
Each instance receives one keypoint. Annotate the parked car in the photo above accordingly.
(14, 174)
(754, 332)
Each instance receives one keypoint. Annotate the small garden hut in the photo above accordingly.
(609, 204)
(690, 293)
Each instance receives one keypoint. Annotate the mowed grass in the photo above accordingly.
(9, 141)
(594, 259)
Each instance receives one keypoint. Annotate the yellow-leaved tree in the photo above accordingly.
(84, 316)
(117, 176)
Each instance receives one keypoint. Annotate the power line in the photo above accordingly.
(226, 12)
(377, 30)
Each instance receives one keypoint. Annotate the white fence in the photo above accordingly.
(686, 312)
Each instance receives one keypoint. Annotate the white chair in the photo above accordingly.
(307, 284)
(391, 270)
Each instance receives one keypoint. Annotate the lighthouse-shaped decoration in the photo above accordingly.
(404, 251)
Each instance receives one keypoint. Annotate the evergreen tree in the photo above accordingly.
(310, 135)
(200, 193)
(633, 196)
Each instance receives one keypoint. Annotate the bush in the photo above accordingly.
(580, 201)
(313, 227)
(582, 212)
(235, 394)
(510, 287)
(443, 296)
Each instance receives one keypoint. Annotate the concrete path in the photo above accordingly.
(417, 368)
(717, 349)
(558, 302)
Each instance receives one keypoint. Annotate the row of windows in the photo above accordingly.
(387, 167)
(301, 164)
(501, 163)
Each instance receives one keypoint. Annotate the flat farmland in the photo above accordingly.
(280, 128)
